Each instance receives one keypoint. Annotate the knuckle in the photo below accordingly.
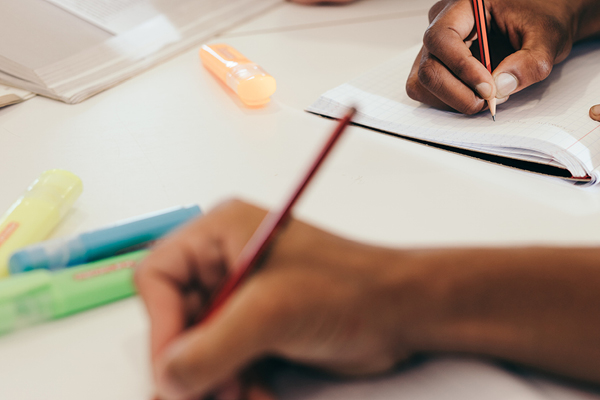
(233, 203)
(471, 108)
(432, 37)
(429, 76)
(413, 89)
(463, 68)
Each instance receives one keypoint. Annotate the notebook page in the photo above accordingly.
(548, 122)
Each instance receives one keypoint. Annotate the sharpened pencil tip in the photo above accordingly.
(494, 118)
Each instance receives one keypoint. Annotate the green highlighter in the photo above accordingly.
(33, 297)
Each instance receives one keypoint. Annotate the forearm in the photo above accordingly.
(535, 306)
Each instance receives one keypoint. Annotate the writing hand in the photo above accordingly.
(446, 75)
(318, 299)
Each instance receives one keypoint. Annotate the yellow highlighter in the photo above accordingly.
(253, 85)
(33, 216)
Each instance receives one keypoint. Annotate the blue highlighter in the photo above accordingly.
(122, 237)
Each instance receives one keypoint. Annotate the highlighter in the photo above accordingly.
(37, 296)
(33, 216)
(253, 85)
(119, 238)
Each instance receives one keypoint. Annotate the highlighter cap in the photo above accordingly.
(58, 188)
(37, 296)
(253, 85)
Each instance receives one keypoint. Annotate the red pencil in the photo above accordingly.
(484, 49)
(269, 227)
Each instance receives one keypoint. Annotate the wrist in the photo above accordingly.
(455, 300)
(470, 300)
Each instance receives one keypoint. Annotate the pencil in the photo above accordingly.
(484, 49)
(264, 235)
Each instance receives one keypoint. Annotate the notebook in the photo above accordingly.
(72, 49)
(545, 128)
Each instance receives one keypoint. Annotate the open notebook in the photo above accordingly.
(72, 49)
(545, 128)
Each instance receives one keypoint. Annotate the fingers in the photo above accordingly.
(445, 40)
(595, 112)
(207, 356)
(184, 269)
(167, 275)
(418, 92)
(442, 83)
(447, 75)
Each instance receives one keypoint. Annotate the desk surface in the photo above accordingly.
(174, 136)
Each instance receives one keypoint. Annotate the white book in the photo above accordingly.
(545, 128)
(72, 49)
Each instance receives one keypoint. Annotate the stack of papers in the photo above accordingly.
(545, 128)
(9, 95)
(72, 49)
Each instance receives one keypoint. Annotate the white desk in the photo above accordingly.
(174, 136)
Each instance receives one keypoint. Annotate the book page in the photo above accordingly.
(546, 123)
(10, 95)
(36, 33)
(116, 16)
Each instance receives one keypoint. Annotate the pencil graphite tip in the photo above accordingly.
(494, 118)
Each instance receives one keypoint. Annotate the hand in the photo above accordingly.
(595, 113)
(318, 299)
(355, 309)
(446, 75)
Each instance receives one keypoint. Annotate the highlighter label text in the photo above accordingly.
(8, 231)
(94, 273)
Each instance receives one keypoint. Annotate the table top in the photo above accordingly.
(175, 136)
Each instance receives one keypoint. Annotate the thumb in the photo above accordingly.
(531, 64)
(208, 355)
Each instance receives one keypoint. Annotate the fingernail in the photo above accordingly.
(502, 100)
(595, 111)
(505, 84)
(484, 89)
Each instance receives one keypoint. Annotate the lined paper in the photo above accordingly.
(547, 123)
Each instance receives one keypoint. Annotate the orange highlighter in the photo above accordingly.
(253, 85)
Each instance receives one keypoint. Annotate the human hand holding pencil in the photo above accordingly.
(318, 299)
(446, 75)
(355, 309)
